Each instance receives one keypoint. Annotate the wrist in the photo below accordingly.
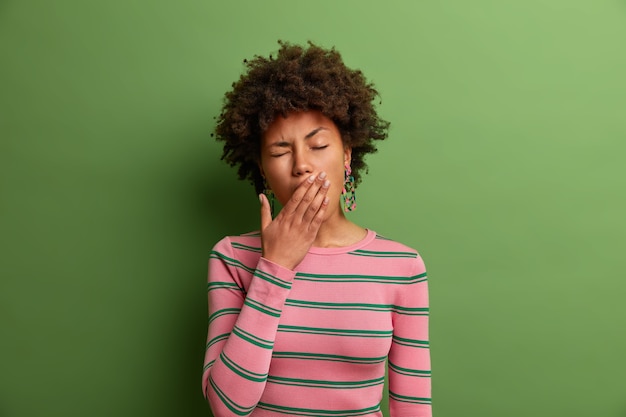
(280, 261)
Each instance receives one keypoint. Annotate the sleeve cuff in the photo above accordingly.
(276, 270)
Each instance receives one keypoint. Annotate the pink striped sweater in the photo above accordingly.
(315, 341)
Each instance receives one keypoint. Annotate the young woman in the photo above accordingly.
(306, 314)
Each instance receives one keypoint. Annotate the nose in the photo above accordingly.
(301, 164)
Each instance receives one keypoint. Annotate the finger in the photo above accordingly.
(317, 203)
(318, 219)
(296, 198)
(266, 212)
(309, 196)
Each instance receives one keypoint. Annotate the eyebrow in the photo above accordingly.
(314, 132)
(283, 143)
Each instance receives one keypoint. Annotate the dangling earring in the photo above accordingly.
(270, 196)
(348, 193)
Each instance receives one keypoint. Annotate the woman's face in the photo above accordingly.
(298, 146)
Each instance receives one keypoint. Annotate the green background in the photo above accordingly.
(504, 168)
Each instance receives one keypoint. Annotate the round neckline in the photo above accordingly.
(371, 235)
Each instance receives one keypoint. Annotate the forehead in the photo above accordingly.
(298, 125)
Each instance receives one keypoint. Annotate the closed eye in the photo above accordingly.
(319, 147)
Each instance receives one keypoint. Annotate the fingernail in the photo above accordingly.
(260, 199)
(322, 175)
(312, 178)
(326, 184)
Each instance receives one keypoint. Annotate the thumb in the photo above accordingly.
(266, 212)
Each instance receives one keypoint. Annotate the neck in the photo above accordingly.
(338, 231)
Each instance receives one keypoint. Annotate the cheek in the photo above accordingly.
(338, 180)
(340, 173)
(274, 172)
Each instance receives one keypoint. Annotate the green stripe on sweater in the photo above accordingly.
(410, 342)
(381, 279)
(272, 279)
(249, 337)
(223, 312)
(328, 357)
(230, 404)
(335, 332)
(239, 370)
(310, 412)
(409, 372)
(376, 254)
(410, 311)
(241, 246)
(408, 399)
(315, 383)
(270, 311)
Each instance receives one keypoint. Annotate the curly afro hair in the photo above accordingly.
(298, 79)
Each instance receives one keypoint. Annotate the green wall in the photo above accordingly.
(504, 168)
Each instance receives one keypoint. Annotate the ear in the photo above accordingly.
(347, 155)
(258, 162)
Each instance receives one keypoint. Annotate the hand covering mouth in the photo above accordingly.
(303, 181)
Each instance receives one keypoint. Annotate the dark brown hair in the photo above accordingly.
(298, 79)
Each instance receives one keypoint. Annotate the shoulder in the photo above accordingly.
(399, 254)
(386, 243)
(385, 246)
(241, 245)
(235, 256)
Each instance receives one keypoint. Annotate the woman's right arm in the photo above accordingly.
(242, 330)
(243, 326)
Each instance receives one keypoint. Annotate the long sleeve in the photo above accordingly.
(245, 305)
(409, 356)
